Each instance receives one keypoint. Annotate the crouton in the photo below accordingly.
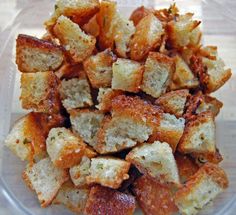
(69, 71)
(120, 133)
(202, 187)
(78, 44)
(105, 96)
(186, 167)
(86, 123)
(127, 75)
(79, 172)
(75, 93)
(156, 160)
(26, 139)
(173, 102)
(157, 74)
(64, 148)
(199, 135)
(139, 13)
(78, 11)
(103, 200)
(72, 197)
(39, 91)
(169, 129)
(45, 179)
(108, 171)
(35, 55)
(181, 30)
(99, 68)
(146, 37)
(92, 27)
(154, 198)
(183, 77)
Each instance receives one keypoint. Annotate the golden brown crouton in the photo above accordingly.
(156, 160)
(146, 37)
(39, 91)
(199, 135)
(35, 55)
(183, 77)
(45, 179)
(78, 11)
(186, 167)
(108, 171)
(157, 74)
(154, 198)
(201, 188)
(92, 27)
(78, 44)
(105, 97)
(139, 13)
(127, 75)
(72, 197)
(99, 68)
(64, 148)
(69, 71)
(173, 102)
(103, 200)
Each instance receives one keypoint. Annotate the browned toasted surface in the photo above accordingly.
(139, 13)
(107, 201)
(153, 197)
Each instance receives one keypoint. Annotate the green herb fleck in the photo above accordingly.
(52, 138)
(55, 7)
(100, 166)
(59, 133)
(25, 141)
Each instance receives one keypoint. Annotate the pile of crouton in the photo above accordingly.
(121, 111)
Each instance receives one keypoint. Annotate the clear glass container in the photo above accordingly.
(218, 25)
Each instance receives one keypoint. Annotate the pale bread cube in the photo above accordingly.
(199, 135)
(35, 55)
(75, 93)
(45, 179)
(126, 75)
(202, 188)
(86, 123)
(157, 160)
(146, 38)
(105, 96)
(39, 91)
(64, 148)
(108, 171)
(173, 102)
(72, 197)
(157, 74)
(99, 68)
(78, 44)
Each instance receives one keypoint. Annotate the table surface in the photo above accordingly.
(218, 32)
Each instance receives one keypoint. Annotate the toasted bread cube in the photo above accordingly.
(35, 55)
(105, 96)
(173, 102)
(199, 135)
(157, 74)
(139, 13)
(45, 179)
(92, 27)
(79, 172)
(153, 197)
(64, 148)
(127, 75)
(75, 93)
(108, 171)
(183, 77)
(78, 44)
(203, 187)
(181, 30)
(26, 139)
(146, 38)
(86, 123)
(103, 200)
(78, 11)
(186, 167)
(39, 91)
(120, 133)
(72, 197)
(156, 160)
(99, 68)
